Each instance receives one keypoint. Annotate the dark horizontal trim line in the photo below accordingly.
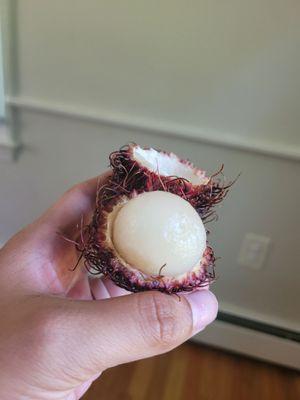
(259, 326)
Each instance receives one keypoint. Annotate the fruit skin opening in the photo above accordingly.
(130, 179)
(101, 257)
(130, 175)
(159, 231)
(168, 164)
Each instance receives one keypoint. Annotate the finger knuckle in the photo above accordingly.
(160, 322)
(75, 190)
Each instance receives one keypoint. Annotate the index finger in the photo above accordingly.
(77, 203)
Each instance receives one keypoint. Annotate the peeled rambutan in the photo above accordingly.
(147, 231)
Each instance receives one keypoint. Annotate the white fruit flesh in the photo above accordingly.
(168, 165)
(158, 229)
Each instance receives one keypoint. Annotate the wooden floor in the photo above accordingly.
(197, 372)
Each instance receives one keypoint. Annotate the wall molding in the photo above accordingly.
(251, 343)
(10, 142)
(267, 318)
(8, 146)
(279, 150)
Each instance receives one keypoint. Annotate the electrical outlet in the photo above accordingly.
(254, 251)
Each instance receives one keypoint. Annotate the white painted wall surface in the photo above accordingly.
(228, 68)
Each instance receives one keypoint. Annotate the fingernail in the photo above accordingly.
(204, 307)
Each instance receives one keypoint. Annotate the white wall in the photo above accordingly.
(225, 67)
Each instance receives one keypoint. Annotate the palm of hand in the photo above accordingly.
(44, 264)
(55, 340)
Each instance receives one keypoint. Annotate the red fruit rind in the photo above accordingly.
(130, 177)
(129, 174)
(102, 258)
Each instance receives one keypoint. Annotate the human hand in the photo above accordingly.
(55, 339)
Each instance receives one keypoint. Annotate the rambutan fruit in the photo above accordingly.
(147, 169)
(147, 231)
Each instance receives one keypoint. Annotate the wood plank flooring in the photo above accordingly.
(194, 372)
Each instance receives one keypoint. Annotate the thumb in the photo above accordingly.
(95, 335)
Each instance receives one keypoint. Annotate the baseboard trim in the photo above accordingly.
(251, 343)
(279, 150)
(259, 326)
